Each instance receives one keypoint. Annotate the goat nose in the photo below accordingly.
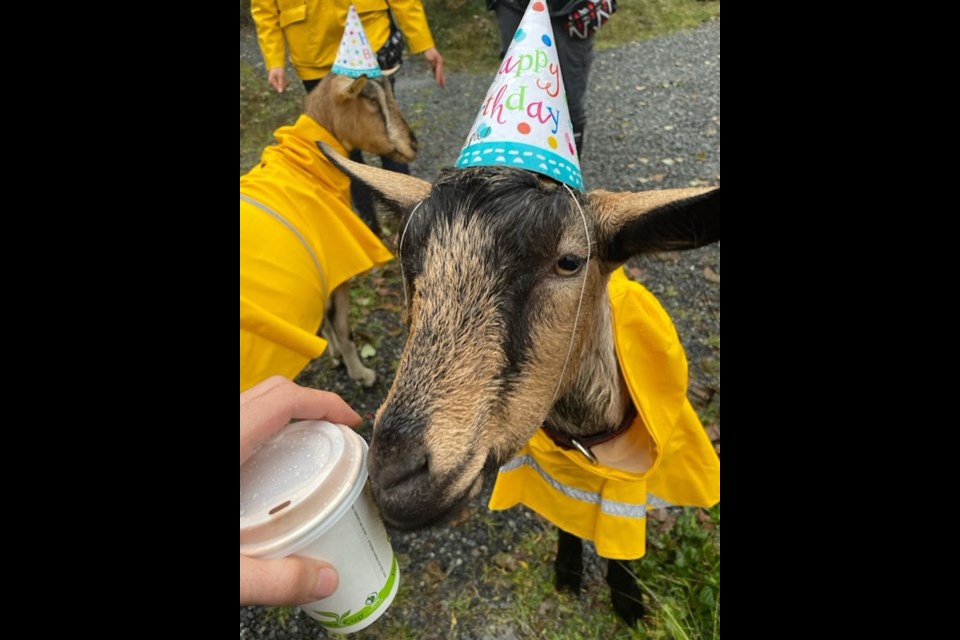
(394, 473)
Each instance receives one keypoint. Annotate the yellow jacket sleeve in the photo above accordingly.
(266, 15)
(412, 20)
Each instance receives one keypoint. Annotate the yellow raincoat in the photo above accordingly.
(605, 504)
(313, 28)
(299, 240)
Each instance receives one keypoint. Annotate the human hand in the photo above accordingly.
(277, 77)
(436, 63)
(264, 410)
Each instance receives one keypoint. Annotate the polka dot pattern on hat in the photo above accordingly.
(523, 121)
(355, 58)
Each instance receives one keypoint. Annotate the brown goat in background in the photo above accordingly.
(300, 241)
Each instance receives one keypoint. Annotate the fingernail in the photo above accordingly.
(327, 583)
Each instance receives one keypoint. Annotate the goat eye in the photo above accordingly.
(569, 265)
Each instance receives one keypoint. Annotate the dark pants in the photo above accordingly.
(361, 195)
(575, 56)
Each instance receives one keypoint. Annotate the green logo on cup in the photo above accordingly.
(373, 602)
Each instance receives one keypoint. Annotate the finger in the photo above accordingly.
(287, 581)
(263, 415)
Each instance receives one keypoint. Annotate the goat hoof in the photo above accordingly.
(568, 581)
(367, 378)
(628, 606)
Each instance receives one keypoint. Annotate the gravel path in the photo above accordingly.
(654, 123)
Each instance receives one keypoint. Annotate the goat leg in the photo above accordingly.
(336, 330)
(624, 592)
(569, 562)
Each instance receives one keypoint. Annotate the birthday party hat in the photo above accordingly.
(355, 58)
(524, 121)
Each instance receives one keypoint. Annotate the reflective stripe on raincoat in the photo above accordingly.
(608, 505)
(299, 240)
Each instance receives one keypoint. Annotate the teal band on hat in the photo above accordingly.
(521, 156)
(373, 72)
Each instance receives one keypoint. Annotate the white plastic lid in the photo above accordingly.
(297, 485)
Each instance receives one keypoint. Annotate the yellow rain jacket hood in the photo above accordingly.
(299, 240)
(608, 505)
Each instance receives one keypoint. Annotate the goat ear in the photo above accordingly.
(649, 221)
(352, 90)
(398, 191)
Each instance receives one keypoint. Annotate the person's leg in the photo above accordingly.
(576, 57)
(362, 198)
(391, 165)
(310, 84)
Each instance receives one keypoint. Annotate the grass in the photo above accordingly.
(467, 35)
(262, 110)
(638, 20)
(680, 576)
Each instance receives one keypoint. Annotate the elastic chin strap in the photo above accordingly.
(403, 276)
(583, 287)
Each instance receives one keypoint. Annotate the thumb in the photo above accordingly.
(286, 581)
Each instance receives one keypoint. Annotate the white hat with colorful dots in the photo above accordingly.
(524, 121)
(355, 58)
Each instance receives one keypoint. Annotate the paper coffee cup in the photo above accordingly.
(304, 492)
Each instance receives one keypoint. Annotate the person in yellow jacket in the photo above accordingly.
(311, 30)
(664, 458)
(299, 240)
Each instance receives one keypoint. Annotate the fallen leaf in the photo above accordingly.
(434, 570)
(504, 561)
(433, 574)
(701, 394)
(367, 351)
(705, 520)
(658, 177)
(711, 275)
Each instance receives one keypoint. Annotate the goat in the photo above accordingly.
(520, 316)
(300, 242)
